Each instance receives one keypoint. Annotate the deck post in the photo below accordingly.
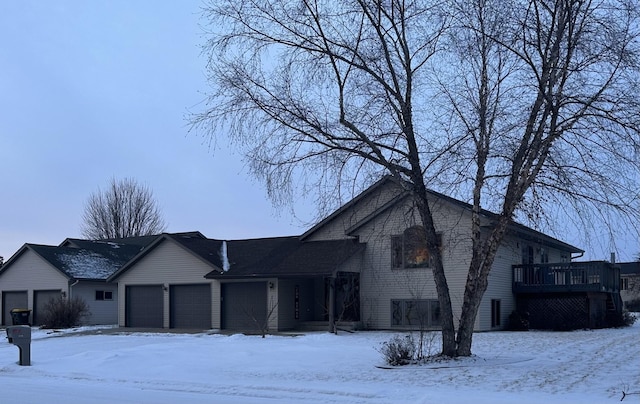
(332, 305)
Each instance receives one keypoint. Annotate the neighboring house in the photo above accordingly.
(37, 273)
(630, 285)
(365, 265)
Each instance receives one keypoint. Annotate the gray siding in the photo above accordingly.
(168, 264)
(380, 283)
(29, 272)
(102, 311)
(338, 226)
(500, 284)
(633, 291)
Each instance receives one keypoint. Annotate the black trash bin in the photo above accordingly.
(20, 316)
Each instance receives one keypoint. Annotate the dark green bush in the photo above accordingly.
(64, 313)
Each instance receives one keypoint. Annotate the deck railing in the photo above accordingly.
(593, 276)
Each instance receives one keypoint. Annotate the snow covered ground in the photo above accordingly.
(509, 367)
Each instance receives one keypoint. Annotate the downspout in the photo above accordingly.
(71, 285)
(577, 256)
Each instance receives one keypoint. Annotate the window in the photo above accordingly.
(495, 313)
(544, 255)
(415, 313)
(527, 255)
(409, 250)
(104, 295)
(624, 283)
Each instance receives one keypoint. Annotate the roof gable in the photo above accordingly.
(193, 242)
(385, 182)
(28, 247)
(86, 259)
(74, 263)
(401, 193)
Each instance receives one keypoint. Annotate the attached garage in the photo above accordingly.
(244, 305)
(12, 300)
(40, 300)
(144, 306)
(181, 296)
(190, 306)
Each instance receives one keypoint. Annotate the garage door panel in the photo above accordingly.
(144, 306)
(190, 306)
(13, 300)
(244, 305)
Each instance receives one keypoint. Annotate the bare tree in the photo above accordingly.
(569, 136)
(539, 98)
(125, 209)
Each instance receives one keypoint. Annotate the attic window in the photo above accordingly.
(104, 295)
(409, 250)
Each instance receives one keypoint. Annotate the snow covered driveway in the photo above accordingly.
(528, 367)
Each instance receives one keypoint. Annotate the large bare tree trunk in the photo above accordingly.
(446, 310)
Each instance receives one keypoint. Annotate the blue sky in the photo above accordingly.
(95, 90)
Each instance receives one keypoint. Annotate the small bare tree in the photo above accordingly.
(125, 209)
(255, 316)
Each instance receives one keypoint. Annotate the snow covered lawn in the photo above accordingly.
(528, 367)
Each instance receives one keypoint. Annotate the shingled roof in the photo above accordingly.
(629, 268)
(138, 242)
(285, 257)
(80, 259)
(262, 257)
(96, 263)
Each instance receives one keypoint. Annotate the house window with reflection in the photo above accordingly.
(544, 255)
(527, 255)
(409, 250)
(416, 313)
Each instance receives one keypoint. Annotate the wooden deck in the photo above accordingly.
(593, 276)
